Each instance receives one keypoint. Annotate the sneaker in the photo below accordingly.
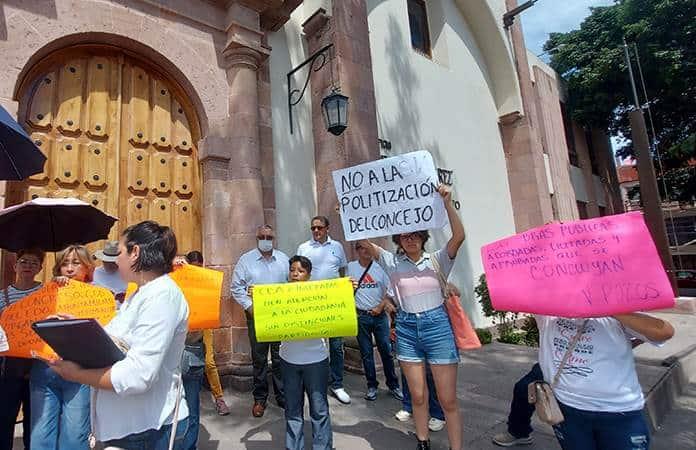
(507, 440)
(436, 424)
(396, 393)
(221, 407)
(402, 415)
(371, 394)
(341, 395)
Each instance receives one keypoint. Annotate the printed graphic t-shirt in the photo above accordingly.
(600, 375)
(372, 288)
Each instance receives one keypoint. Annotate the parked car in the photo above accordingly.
(686, 279)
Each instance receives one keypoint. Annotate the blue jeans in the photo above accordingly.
(425, 337)
(193, 381)
(59, 411)
(521, 411)
(379, 327)
(434, 407)
(151, 439)
(590, 430)
(312, 379)
(336, 362)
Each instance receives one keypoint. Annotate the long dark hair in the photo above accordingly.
(157, 246)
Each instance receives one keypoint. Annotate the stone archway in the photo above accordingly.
(119, 134)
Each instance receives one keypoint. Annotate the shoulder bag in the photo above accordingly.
(540, 393)
(465, 336)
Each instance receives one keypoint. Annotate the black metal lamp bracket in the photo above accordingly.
(317, 61)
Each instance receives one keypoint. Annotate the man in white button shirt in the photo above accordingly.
(262, 265)
(328, 261)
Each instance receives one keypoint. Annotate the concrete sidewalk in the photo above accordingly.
(486, 379)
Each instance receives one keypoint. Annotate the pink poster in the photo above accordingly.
(588, 268)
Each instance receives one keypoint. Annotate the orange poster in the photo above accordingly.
(78, 299)
(202, 289)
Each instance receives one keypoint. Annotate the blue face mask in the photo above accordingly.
(265, 246)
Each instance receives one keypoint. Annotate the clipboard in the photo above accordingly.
(82, 341)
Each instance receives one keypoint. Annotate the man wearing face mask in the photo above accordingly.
(262, 265)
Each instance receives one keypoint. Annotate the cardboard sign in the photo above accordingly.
(588, 268)
(305, 310)
(390, 196)
(202, 289)
(78, 299)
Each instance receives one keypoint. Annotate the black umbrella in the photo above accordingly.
(51, 224)
(19, 157)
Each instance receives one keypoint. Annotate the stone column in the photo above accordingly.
(350, 68)
(531, 200)
(232, 185)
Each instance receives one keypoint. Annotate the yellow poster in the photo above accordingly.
(78, 299)
(202, 288)
(304, 310)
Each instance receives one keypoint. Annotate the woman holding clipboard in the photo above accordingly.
(136, 401)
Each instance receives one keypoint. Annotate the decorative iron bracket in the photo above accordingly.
(317, 61)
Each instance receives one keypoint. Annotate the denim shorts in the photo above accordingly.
(425, 336)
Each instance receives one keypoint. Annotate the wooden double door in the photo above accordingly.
(117, 134)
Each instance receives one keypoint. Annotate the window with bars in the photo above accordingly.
(418, 23)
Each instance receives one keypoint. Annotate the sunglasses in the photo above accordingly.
(316, 228)
(265, 238)
(410, 237)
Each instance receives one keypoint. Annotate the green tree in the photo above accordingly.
(591, 59)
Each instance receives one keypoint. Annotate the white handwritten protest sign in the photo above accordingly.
(390, 196)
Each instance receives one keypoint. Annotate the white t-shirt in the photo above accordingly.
(600, 375)
(308, 351)
(327, 258)
(372, 288)
(109, 280)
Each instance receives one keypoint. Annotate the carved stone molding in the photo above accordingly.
(239, 55)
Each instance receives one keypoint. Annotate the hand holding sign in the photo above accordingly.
(588, 268)
(76, 299)
(390, 196)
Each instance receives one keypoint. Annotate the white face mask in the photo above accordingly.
(265, 246)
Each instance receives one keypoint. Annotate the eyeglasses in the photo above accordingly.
(28, 262)
(316, 228)
(265, 238)
(410, 237)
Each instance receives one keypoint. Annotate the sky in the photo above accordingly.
(548, 16)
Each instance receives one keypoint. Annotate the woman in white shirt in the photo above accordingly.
(598, 389)
(134, 402)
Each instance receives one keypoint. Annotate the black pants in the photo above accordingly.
(14, 392)
(520, 418)
(259, 357)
